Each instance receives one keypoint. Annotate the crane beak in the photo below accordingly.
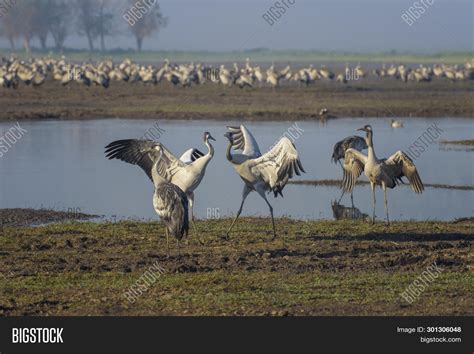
(211, 138)
(361, 129)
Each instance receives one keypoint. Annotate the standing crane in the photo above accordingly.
(261, 173)
(186, 173)
(170, 203)
(386, 173)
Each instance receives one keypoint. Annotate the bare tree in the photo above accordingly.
(41, 19)
(60, 22)
(144, 19)
(37, 19)
(88, 20)
(105, 21)
(23, 14)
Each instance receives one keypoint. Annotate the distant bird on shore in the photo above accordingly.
(261, 173)
(186, 173)
(351, 142)
(396, 124)
(386, 173)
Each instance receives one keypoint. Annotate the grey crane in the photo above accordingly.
(170, 203)
(351, 142)
(386, 173)
(261, 173)
(186, 173)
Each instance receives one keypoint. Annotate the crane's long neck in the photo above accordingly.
(228, 152)
(370, 144)
(204, 161)
(210, 148)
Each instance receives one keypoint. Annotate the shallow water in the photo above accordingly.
(61, 165)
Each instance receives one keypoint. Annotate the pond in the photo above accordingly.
(61, 165)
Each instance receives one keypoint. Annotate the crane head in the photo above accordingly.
(208, 136)
(366, 129)
(228, 135)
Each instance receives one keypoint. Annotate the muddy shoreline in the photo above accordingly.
(365, 98)
(338, 183)
(30, 217)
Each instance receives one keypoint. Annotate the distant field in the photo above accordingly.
(363, 98)
(258, 55)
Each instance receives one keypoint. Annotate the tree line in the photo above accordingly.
(22, 21)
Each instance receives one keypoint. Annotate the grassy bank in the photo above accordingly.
(313, 268)
(257, 55)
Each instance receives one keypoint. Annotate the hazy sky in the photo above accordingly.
(350, 25)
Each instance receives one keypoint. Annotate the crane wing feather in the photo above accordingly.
(278, 165)
(144, 154)
(350, 142)
(354, 163)
(191, 155)
(245, 141)
(399, 165)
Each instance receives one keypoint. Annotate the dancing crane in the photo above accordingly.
(187, 174)
(386, 173)
(261, 173)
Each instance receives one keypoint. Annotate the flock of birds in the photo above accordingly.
(35, 72)
(427, 73)
(176, 179)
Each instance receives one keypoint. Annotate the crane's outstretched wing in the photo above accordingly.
(350, 142)
(191, 155)
(399, 165)
(244, 140)
(354, 162)
(278, 165)
(144, 154)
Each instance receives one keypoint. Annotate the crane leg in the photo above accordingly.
(352, 198)
(386, 201)
(262, 194)
(167, 244)
(245, 193)
(372, 186)
(342, 195)
(343, 191)
(191, 214)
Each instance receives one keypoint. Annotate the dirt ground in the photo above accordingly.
(312, 268)
(363, 98)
